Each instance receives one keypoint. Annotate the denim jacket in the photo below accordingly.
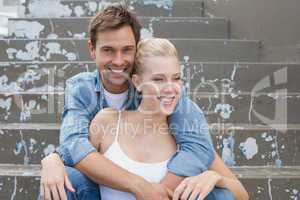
(84, 98)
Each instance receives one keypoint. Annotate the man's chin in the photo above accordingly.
(120, 82)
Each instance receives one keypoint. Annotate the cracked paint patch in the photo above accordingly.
(25, 29)
(224, 110)
(293, 193)
(49, 149)
(273, 139)
(249, 148)
(228, 150)
(49, 8)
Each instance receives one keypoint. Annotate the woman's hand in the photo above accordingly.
(54, 178)
(200, 185)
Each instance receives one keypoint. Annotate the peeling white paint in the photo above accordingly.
(270, 189)
(33, 142)
(30, 76)
(228, 151)
(249, 148)
(92, 6)
(49, 149)
(165, 4)
(79, 11)
(27, 107)
(31, 53)
(53, 48)
(71, 56)
(225, 110)
(5, 87)
(79, 35)
(52, 36)
(6, 103)
(48, 8)
(25, 29)
(13, 194)
(11, 52)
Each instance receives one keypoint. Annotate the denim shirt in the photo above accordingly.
(84, 97)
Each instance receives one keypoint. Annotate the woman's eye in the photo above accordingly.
(157, 79)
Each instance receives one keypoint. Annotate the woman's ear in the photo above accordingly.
(136, 80)
(92, 49)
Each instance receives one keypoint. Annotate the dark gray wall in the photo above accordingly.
(275, 22)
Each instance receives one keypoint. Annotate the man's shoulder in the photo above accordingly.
(82, 85)
(83, 77)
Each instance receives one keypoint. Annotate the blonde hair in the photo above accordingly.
(153, 47)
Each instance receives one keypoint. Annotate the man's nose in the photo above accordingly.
(118, 59)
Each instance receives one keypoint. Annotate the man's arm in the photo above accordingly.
(196, 152)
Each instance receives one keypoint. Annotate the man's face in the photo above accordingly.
(114, 56)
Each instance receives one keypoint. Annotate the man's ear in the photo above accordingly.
(136, 80)
(92, 49)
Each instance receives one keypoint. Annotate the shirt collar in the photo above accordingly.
(131, 99)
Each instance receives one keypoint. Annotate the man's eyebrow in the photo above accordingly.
(177, 74)
(130, 46)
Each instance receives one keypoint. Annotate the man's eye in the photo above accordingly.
(157, 79)
(107, 50)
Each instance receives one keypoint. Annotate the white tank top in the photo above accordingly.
(152, 172)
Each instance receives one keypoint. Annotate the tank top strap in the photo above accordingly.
(118, 125)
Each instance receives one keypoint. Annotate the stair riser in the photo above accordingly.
(90, 8)
(263, 110)
(27, 188)
(71, 50)
(239, 79)
(273, 147)
(158, 27)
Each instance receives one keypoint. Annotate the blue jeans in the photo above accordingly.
(87, 189)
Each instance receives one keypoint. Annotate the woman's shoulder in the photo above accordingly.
(107, 115)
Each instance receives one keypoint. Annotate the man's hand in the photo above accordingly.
(54, 178)
(200, 185)
(149, 191)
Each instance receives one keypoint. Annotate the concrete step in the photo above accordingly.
(83, 8)
(39, 107)
(76, 49)
(251, 145)
(167, 27)
(265, 183)
(243, 93)
(222, 77)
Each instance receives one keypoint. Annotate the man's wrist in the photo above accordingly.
(137, 184)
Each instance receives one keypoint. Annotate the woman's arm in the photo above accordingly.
(228, 180)
(218, 175)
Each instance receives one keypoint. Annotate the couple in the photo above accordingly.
(120, 142)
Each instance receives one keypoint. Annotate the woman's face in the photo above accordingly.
(160, 84)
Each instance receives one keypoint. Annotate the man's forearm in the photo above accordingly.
(103, 171)
(171, 181)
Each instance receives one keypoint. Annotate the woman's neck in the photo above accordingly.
(152, 115)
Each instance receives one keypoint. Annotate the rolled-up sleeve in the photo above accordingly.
(74, 140)
(190, 129)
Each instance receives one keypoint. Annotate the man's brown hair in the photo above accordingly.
(111, 18)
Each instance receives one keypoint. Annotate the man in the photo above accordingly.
(114, 34)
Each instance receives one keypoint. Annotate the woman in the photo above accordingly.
(140, 141)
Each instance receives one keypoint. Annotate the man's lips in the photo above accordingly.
(117, 71)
